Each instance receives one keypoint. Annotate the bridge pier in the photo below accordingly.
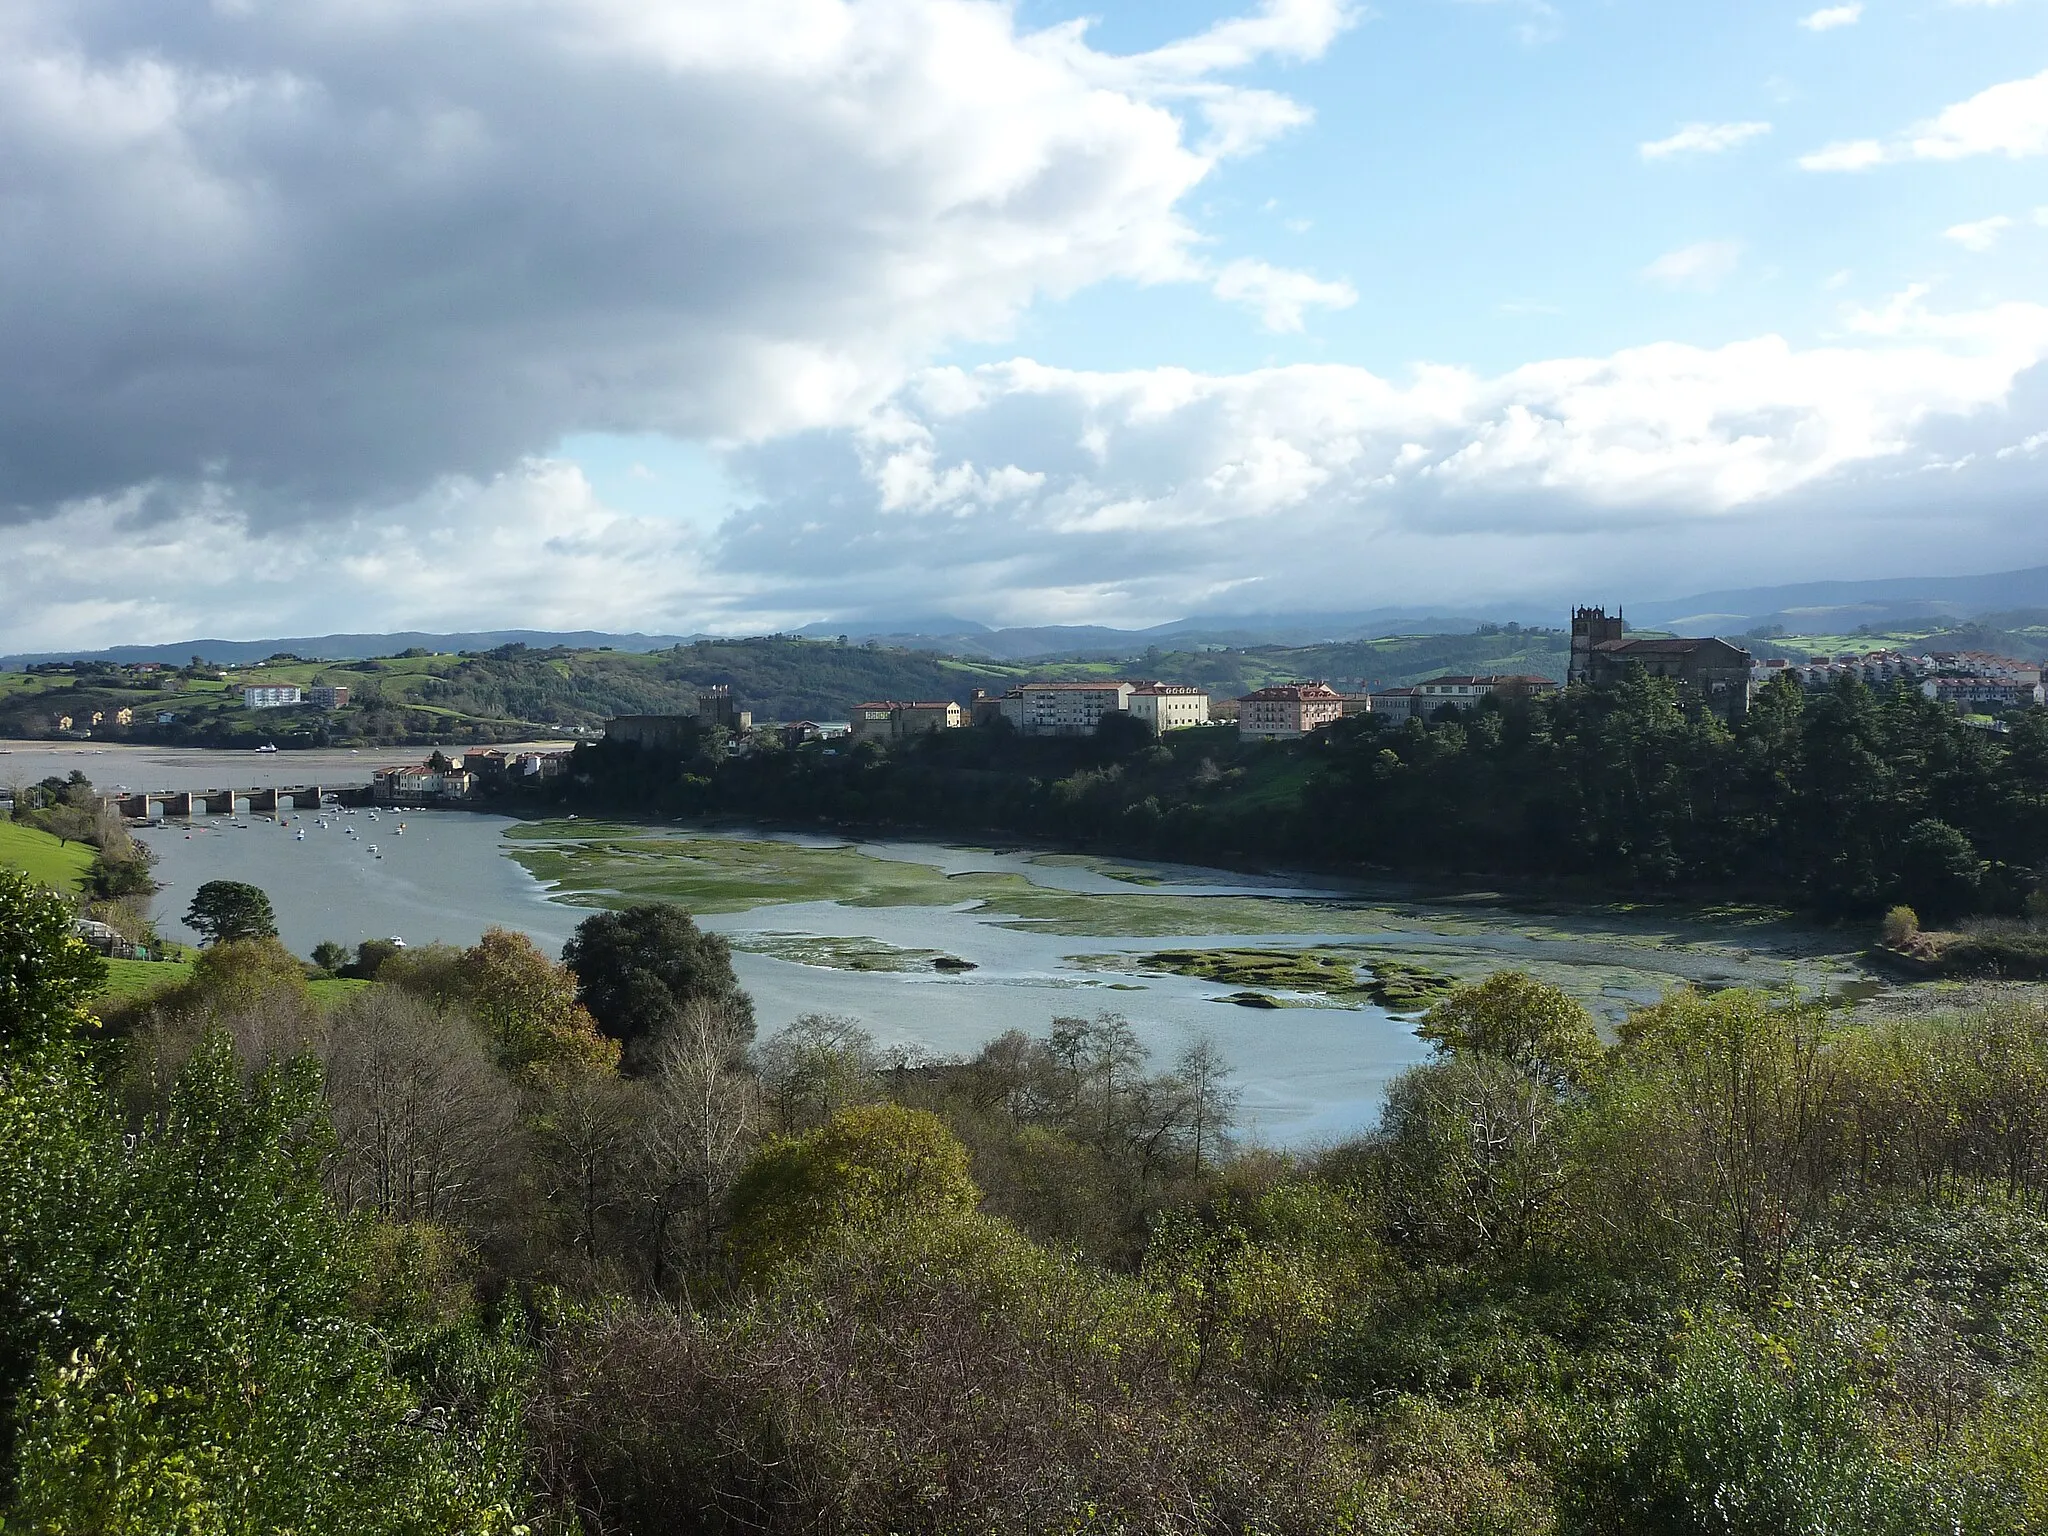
(218, 802)
(180, 804)
(261, 800)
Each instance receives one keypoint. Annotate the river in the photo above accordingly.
(1309, 1072)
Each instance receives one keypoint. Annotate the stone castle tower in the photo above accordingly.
(1590, 627)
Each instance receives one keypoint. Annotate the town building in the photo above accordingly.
(801, 732)
(1712, 671)
(897, 720)
(1063, 709)
(1465, 692)
(1397, 706)
(2009, 669)
(717, 707)
(1973, 695)
(532, 767)
(420, 781)
(1288, 711)
(325, 697)
(1355, 703)
(274, 696)
(1169, 706)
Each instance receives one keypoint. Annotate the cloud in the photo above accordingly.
(1703, 139)
(1830, 17)
(2009, 119)
(1980, 235)
(1028, 493)
(320, 255)
(1279, 297)
(1702, 267)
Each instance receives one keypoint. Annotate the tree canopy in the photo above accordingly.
(636, 970)
(226, 910)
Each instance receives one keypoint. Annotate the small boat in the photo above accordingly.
(301, 834)
(266, 747)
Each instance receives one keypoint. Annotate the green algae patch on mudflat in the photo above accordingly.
(838, 953)
(1343, 975)
(1401, 987)
(713, 874)
(1288, 970)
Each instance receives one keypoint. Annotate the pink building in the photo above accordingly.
(1288, 710)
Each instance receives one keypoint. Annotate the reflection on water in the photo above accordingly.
(1307, 1073)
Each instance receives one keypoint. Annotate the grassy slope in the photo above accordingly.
(138, 978)
(456, 698)
(62, 865)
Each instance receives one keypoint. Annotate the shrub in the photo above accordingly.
(872, 1162)
(940, 1374)
(1900, 925)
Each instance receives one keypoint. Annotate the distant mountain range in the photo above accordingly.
(1811, 608)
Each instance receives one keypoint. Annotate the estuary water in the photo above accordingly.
(1312, 1071)
(1307, 1073)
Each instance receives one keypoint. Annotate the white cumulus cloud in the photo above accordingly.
(1702, 139)
(2009, 119)
(1280, 298)
(321, 254)
(1980, 234)
(1030, 493)
(1830, 17)
(1702, 267)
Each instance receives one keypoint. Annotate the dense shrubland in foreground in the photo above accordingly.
(495, 1246)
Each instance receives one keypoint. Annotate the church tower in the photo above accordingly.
(1590, 627)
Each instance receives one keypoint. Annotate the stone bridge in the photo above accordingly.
(224, 802)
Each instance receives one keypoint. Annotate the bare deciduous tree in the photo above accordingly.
(423, 1121)
(702, 1111)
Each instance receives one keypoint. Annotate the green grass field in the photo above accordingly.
(139, 978)
(43, 857)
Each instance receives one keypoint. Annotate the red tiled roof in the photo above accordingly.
(1320, 693)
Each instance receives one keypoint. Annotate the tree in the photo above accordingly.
(637, 969)
(700, 1117)
(46, 973)
(1211, 1100)
(224, 910)
(370, 957)
(1540, 1029)
(177, 1351)
(875, 1162)
(817, 1066)
(526, 1005)
(423, 1122)
(330, 956)
(1103, 1056)
(1938, 872)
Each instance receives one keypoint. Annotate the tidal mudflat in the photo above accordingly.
(937, 948)
(1312, 941)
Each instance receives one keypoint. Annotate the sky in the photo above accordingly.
(686, 316)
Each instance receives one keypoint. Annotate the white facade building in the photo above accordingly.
(1063, 709)
(1169, 706)
(269, 698)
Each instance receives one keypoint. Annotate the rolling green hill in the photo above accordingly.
(516, 693)
(43, 857)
